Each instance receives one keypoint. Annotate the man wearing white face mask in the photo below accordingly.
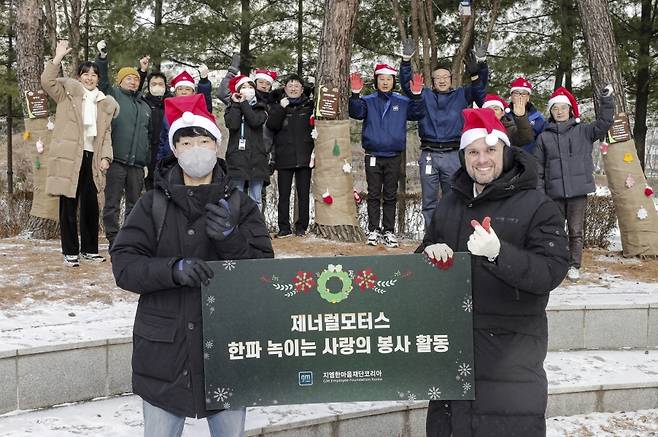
(246, 155)
(193, 215)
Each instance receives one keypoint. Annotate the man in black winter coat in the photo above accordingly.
(516, 236)
(291, 122)
(193, 215)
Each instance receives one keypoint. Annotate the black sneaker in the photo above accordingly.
(93, 257)
(284, 234)
(71, 260)
(300, 233)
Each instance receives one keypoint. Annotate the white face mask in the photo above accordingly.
(248, 93)
(197, 161)
(157, 91)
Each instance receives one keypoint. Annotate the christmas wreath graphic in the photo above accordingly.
(365, 279)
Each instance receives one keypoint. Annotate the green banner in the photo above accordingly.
(312, 330)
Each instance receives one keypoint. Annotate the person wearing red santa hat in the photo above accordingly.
(564, 157)
(194, 215)
(520, 92)
(246, 156)
(384, 137)
(516, 238)
(518, 127)
(183, 84)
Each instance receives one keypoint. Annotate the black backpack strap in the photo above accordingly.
(159, 211)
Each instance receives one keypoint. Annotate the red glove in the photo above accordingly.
(416, 84)
(356, 83)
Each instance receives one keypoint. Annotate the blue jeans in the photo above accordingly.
(160, 423)
(443, 166)
(255, 190)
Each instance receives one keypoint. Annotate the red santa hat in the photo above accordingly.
(521, 84)
(189, 111)
(482, 123)
(236, 82)
(183, 79)
(385, 69)
(491, 100)
(265, 74)
(562, 95)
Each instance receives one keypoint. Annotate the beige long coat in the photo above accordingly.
(67, 142)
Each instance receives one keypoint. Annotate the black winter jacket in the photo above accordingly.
(167, 337)
(512, 292)
(251, 163)
(564, 154)
(292, 128)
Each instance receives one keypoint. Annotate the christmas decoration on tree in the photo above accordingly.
(39, 146)
(50, 125)
(336, 150)
(347, 167)
(628, 157)
(604, 148)
(357, 197)
(37, 163)
(648, 191)
(26, 135)
(642, 213)
(630, 181)
(327, 198)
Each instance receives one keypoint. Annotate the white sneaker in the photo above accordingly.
(390, 240)
(373, 238)
(93, 257)
(573, 274)
(71, 260)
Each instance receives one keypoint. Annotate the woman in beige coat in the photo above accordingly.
(80, 153)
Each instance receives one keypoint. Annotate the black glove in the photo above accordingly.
(607, 91)
(471, 64)
(408, 48)
(221, 219)
(235, 64)
(191, 272)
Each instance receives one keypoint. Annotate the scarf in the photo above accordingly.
(89, 100)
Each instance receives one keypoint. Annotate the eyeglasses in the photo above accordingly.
(520, 93)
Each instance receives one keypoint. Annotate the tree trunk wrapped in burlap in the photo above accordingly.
(337, 220)
(639, 237)
(43, 205)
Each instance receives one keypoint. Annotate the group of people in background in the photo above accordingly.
(561, 146)
(270, 129)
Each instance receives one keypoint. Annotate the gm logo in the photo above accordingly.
(305, 378)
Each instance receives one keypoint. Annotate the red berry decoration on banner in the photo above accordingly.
(648, 191)
(366, 279)
(304, 282)
(443, 265)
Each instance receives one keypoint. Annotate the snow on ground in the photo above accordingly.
(122, 417)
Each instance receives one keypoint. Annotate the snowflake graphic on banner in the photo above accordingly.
(411, 397)
(210, 344)
(228, 265)
(304, 282)
(467, 304)
(464, 369)
(211, 300)
(366, 279)
(222, 394)
(434, 393)
(466, 386)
